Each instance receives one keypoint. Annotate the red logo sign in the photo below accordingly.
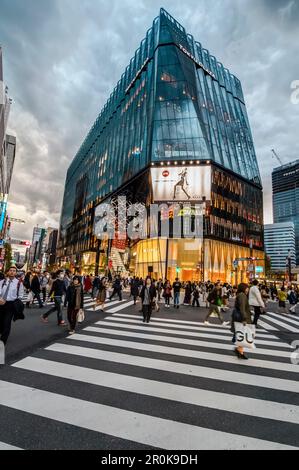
(165, 173)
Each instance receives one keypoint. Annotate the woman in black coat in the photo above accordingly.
(74, 298)
(135, 289)
(188, 292)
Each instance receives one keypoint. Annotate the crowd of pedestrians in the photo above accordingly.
(67, 290)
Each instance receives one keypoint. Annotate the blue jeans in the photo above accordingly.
(176, 298)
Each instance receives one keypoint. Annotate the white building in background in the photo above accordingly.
(279, 243)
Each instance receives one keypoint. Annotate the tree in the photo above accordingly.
(7, 256)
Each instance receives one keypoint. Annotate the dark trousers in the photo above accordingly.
(257, 312)
(147, 312)
(195, 301)
(6, 316)
(37, 295)
(216, 309)
(44, 292)
(72, 317)
(116, 291)
(57, 307)
(167, 300)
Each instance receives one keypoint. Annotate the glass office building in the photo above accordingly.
(285, 185)
(175, 114)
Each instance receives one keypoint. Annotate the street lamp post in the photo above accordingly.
(289, 265)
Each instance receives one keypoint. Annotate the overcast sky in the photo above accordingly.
(62, 59)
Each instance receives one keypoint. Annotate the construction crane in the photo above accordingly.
(18, 221)
(277, 157)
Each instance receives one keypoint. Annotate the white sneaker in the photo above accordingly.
(225, 323)
(207, 323)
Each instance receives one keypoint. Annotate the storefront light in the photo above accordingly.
(198, 162)
(175, 163)
(162, 164)
(168, 163)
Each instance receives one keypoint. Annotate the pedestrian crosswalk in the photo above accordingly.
(170, 384)
(279, 322)
(88, 301)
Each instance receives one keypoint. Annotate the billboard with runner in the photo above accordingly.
(181, 183)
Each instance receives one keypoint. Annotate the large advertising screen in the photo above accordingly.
(181, 183)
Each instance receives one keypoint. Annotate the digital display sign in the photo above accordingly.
(181, 183)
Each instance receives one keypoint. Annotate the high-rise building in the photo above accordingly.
(36, 234)
(7, 150)
(52, 246)
(9, 157)
(174, 129)
(5, 103)
(285, 185)
(279, 244)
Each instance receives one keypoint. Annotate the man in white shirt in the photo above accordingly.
(256, 301)
(10, 290)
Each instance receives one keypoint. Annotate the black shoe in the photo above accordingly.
(242, 356)
(237, 353)
(143, 320)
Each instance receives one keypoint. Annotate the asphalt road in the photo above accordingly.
(172, 384)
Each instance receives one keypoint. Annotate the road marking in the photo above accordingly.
(178, 367)
(153, 388)
(182, 341)
(191, 353)
(267, 326)
(98, 307)
(121, 307)
(4, 446)
(146, 327)
(223, 330)
(124, 424)
(280, 323)
(285, 317)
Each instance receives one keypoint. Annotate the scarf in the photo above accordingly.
(78, 297)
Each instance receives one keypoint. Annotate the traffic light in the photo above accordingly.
(178, 269)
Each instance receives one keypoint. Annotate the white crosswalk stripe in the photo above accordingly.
(135, 375)
(132, 319)
(282, 322)
(244, 405)
(4, 446)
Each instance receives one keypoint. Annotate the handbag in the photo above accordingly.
(244, 335)
(80, 316)
(18, 307)
(236, 315)
(18, 310)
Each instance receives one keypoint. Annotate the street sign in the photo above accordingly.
(235, 263)
(259, 269)
(14, 241)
